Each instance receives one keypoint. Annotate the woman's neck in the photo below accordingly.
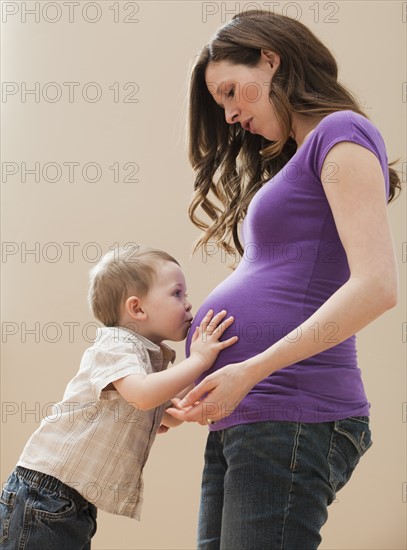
(302, 127)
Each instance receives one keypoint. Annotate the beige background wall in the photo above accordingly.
(139, 69)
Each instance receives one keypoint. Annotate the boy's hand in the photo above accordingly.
(162, 429)
(168, 421)
(205, 344)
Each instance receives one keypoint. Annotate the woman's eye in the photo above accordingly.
(230, 93)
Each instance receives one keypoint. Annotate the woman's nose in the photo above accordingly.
(232, 115)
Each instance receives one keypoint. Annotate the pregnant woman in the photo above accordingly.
(295, 178)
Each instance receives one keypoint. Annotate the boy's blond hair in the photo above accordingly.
(118, 274)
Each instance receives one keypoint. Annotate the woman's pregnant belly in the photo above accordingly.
(266, 309)
(268, 306)
(264, 313)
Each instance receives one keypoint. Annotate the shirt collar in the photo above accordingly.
(168, 353)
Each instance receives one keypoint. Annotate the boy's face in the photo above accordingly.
(166, 305)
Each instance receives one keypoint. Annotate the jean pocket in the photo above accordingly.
(351, 438)
(49, 505)
(7, 500)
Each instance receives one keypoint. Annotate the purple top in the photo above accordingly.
(293, 262)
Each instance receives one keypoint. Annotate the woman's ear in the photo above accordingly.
(270, 57)
(133, 307)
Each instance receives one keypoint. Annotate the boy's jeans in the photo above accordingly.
(267, 485)
(39, 512)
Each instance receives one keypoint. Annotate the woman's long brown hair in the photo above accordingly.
(305, 83)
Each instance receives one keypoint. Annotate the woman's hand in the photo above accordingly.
(216, 397)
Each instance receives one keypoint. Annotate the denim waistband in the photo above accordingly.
(50, 483)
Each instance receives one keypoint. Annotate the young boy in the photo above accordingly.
(91, 452)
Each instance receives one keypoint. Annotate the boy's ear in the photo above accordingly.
(134, 308)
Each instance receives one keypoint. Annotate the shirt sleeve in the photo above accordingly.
(119, 359)
(352, 127)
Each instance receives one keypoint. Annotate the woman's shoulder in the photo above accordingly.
(346, 126)
(345, 121)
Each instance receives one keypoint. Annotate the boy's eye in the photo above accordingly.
(177, 293)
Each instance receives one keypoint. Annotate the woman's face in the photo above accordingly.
(243, 92)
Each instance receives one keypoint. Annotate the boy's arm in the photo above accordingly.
(146, 391)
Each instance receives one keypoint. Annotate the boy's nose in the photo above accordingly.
(188, 305)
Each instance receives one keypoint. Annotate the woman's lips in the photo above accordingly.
(248, 125)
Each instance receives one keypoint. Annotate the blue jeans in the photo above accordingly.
(39, 512)
(267, 485)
